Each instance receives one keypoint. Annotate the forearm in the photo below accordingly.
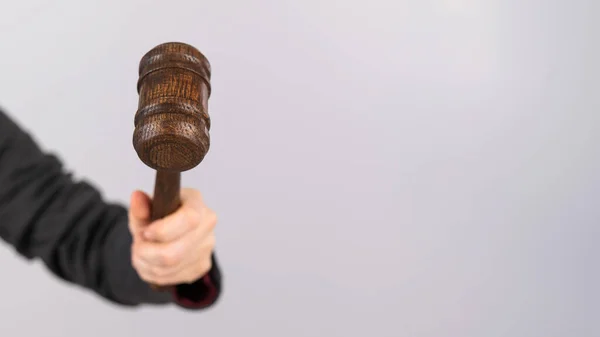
(81, 238)
(44, 214)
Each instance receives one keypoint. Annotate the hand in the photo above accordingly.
(176, 249)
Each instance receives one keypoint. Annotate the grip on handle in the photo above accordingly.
(172, 123)
(166, 194)
(166, 201)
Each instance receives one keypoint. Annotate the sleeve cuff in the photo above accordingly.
(201, 294)
(198, 295)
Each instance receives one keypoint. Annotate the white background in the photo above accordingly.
(380, 168)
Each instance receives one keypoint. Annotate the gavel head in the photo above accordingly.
(172, 122)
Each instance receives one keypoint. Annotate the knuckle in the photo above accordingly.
(192, 216)
(209, 219)
(211, 242)
(192, 194)
(169, 258)
(212, 218)
(160, 232)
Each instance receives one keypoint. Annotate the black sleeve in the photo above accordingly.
(81, 238)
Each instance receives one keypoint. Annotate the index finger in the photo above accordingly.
(173, 226)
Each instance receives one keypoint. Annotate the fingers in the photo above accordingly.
(192, 197)
(188, 217)
(175, 249)
(170, 254)
(164, 265)
(173, 226)
(185, 275)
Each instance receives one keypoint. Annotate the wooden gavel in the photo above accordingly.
(172, 123)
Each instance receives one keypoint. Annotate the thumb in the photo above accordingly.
(139, 212)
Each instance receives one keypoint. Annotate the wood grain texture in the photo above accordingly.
(172, 123)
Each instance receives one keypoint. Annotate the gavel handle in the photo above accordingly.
(166, 200)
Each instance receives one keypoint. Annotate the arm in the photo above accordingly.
(80, 238)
